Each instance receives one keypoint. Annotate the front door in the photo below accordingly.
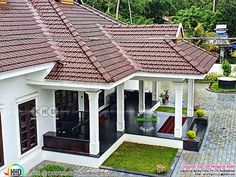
(1, 144)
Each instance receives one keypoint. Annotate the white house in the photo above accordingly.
(62, 64)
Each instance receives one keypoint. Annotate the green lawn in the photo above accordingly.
(52, 170)
(232, 60)
(140, 157)
(203, 81)
(215, 87)
(170, 109)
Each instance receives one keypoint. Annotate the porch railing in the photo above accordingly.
(73, 122)
(54, 142)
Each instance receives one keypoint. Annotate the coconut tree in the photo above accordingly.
(117, 9)
(130, 12)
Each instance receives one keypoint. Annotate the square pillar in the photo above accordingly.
(178, 109)
(141, 96)
(94, 146)
(190, 110)
(155, 90)
(120, 124)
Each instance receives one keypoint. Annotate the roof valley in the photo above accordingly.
(134, 64)
(81, 43)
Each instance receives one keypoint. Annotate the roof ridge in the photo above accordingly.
(145, 25)
(81, 43)
(122, 51)
(189, 59)
(100, 13)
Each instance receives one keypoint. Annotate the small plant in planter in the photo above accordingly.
(201, 113)
(165, 97)
(160, 168)
(191, 134)
(201, 116)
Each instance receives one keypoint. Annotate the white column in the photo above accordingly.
(141, 96)
(155, 90)
(120, 124)
(190, 111)
(81, 100)
(178, 109)
(94, 145)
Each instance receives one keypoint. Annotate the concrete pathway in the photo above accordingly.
(218, 148)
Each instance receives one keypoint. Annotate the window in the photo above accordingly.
(101, 98)
(1, 144)
(28, 126)
(67, 108)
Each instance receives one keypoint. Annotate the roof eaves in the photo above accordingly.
(81, 43)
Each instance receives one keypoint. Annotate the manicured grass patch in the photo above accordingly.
(215, 87)
(52, 171)
(203, 81)
(170, 109)
(232, 60)
(140, 157)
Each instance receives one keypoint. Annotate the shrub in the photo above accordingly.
(213, 76)
(200, 113)
(160, 168)
(191, 134)
(226, 66)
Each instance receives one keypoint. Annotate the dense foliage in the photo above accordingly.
(189, 12)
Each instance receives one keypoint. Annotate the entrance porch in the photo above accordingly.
(111, 120)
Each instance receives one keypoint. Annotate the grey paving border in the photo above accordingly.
(169, 174)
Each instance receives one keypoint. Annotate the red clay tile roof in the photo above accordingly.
(17, 19)
(145, 31)
(78, 64)
(158, 55)
(93, 47)
(85, 20)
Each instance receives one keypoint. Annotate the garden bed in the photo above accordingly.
(199, 125)
(142, 159)
(170, 109)
(214, 87)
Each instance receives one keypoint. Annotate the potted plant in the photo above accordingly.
(165, 97)
(191, 143)
(201, 116)
(191, 134)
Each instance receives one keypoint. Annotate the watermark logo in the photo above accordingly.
(15, 170)
(147, 121)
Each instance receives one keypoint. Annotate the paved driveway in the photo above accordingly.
(219, 146)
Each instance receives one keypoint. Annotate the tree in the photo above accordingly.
(193, 16)
(130, 12)
(157, 9)
(200, 32)
(228, 8)
(117, 9)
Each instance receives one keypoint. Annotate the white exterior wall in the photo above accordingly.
(218, 69)
(12, 92)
